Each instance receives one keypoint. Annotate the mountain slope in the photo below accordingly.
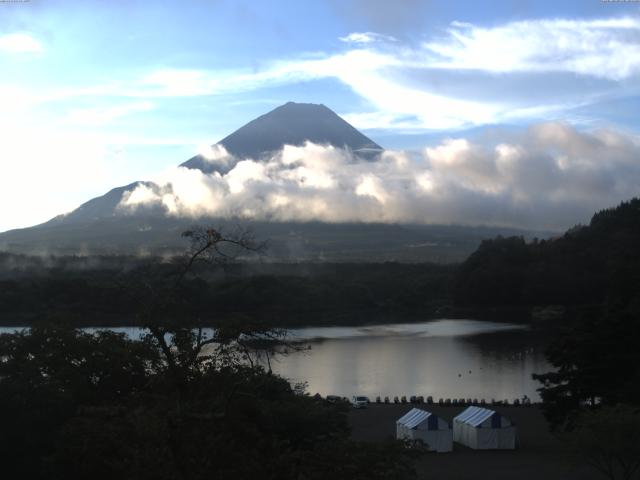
(291, 124)
(99, 226)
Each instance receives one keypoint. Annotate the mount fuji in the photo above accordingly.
(100, 227)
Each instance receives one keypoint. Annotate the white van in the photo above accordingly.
(359, 401)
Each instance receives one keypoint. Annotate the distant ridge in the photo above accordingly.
(291, 124)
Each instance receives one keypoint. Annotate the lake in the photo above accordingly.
(441, 358)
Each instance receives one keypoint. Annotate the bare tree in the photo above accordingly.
(184, 343)
(212, 246)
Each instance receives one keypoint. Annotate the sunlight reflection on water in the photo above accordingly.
(442, 358)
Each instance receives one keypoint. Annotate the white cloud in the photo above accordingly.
(608, 48)
(215, 154)
(369, 73)
(444, 83)
(396, 79)
(19, 43)
(552, 176)
(366, 37)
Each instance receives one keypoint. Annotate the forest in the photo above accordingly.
(177, 404)
(585, 266)
(106, 291)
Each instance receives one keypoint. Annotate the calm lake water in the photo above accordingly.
(441, 358)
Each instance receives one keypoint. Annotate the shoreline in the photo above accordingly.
(375, 322)
(342, 318)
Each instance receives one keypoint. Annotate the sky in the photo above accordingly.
(514, 113)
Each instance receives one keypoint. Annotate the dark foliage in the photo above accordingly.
(48, 372)
(597, 363)
(608, 439)
(111, 293)
(584, 266)
(177, 404)
(79, 405)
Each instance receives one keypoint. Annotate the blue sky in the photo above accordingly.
(98, 94)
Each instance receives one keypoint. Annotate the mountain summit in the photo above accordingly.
(100, 226)
(292, 124)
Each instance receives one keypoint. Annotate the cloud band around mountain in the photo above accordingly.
(549, 177)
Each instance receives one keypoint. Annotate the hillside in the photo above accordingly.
(586, 265)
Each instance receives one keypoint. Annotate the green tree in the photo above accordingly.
(597, 362)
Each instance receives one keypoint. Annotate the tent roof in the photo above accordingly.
(413, 418)
(474, 416)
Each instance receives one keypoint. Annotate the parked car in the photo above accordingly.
(359, 401)
(333, 398)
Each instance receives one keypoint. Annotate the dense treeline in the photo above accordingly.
(582, 267)
(15, 265)
(107, 291)
(592, 272)
(595, 352)
(593, 392)
(75, 405)
(178, 403)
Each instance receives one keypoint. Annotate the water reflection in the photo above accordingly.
(443, 358)
(446, 358)
(437, 328)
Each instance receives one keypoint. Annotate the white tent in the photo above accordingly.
(484, 429)
(421, 425)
